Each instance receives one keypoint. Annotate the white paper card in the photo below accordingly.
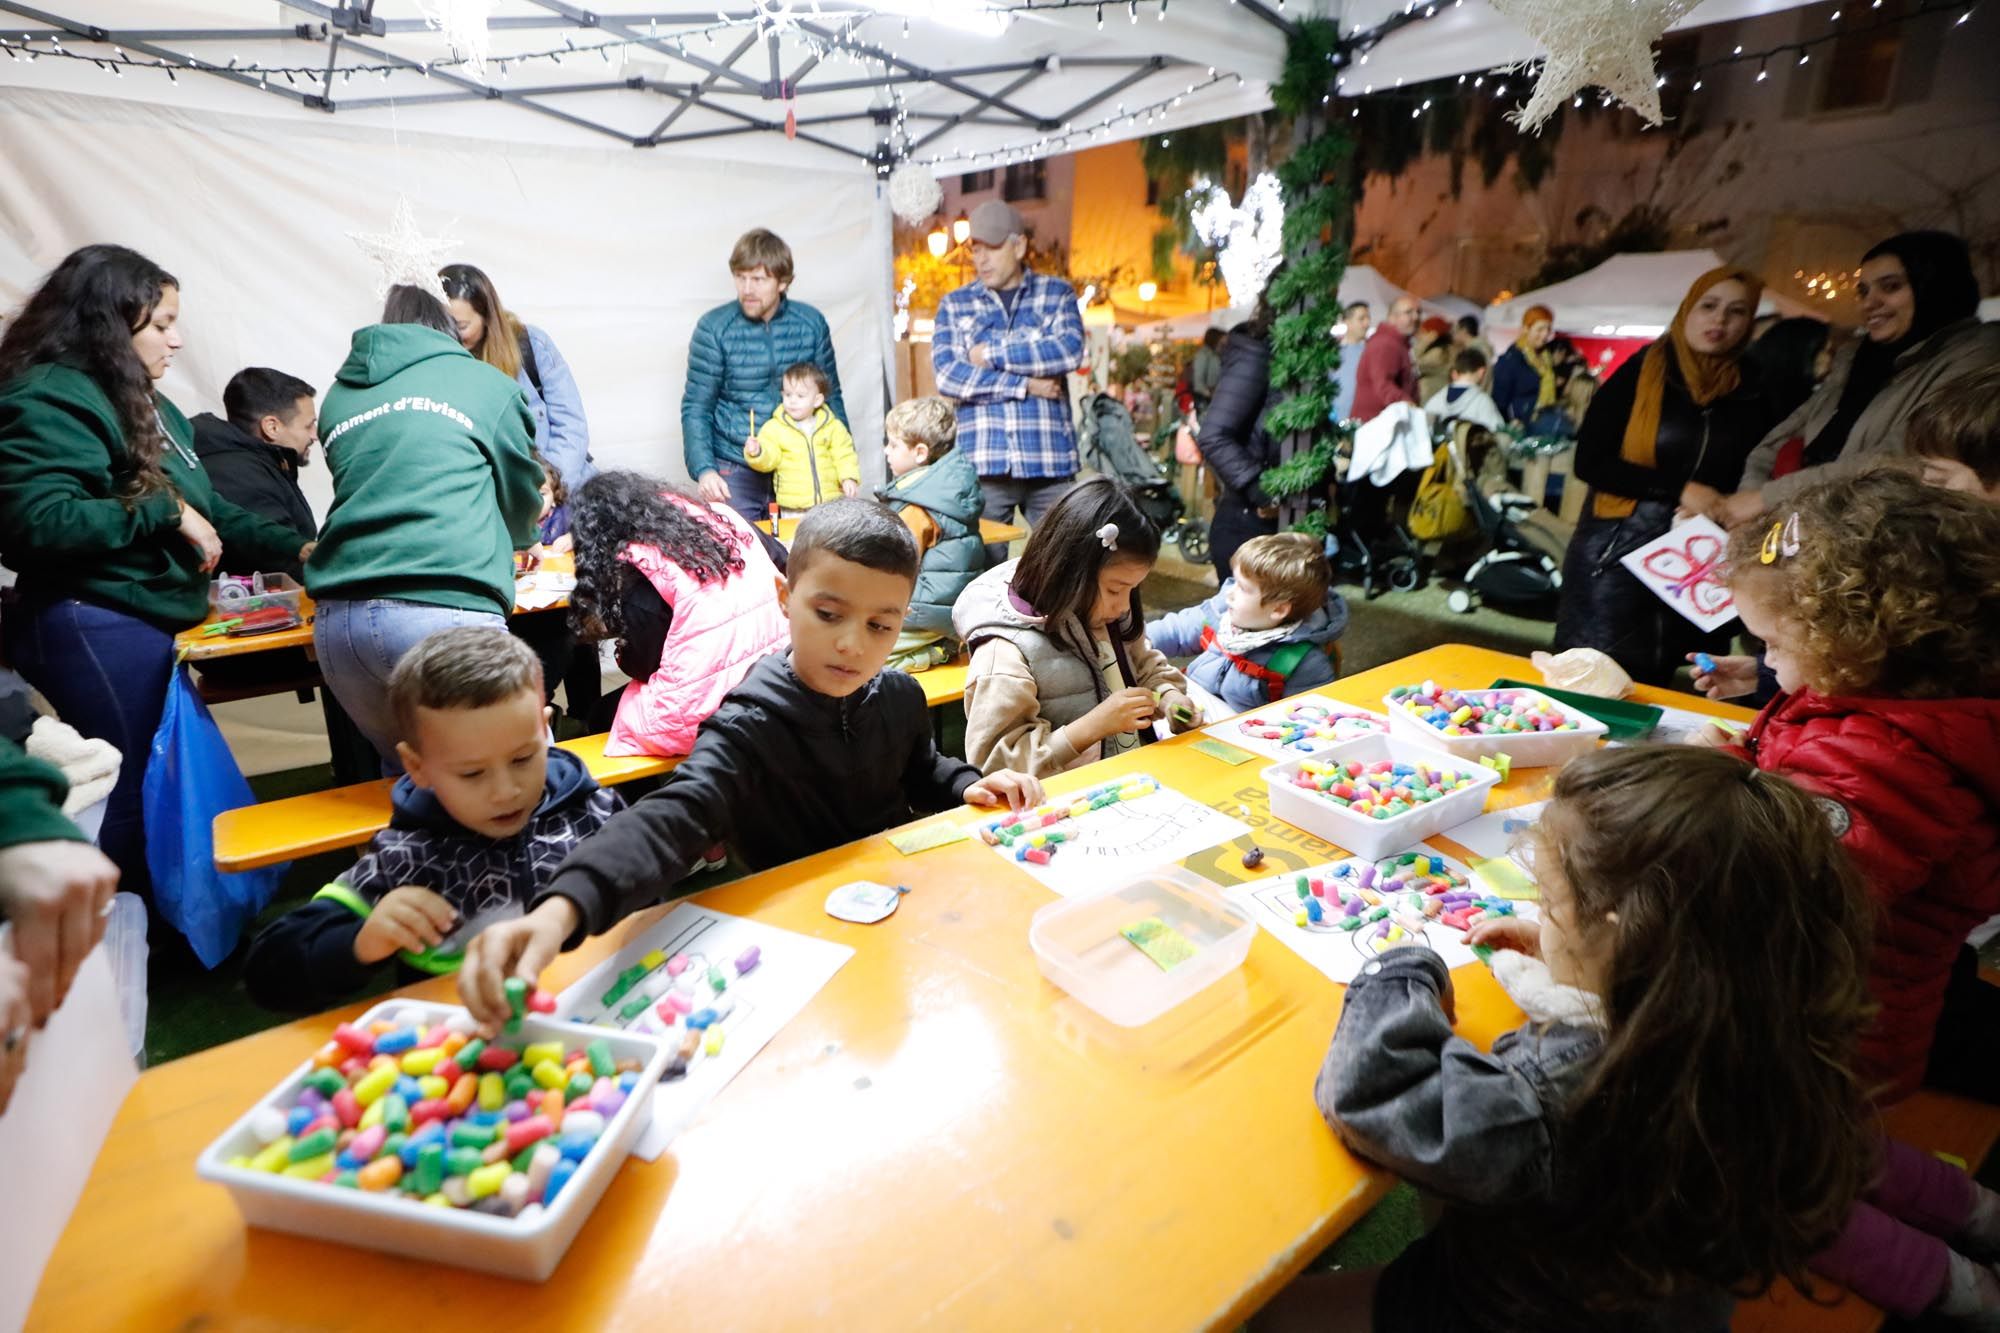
(1683, 568)
(1125, 838)
(790, 970)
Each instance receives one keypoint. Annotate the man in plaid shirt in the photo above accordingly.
(1003, 345)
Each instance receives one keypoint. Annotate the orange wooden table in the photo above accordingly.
(940, 1138)
(989, 530)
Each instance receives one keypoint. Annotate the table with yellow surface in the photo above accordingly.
(941, 1138)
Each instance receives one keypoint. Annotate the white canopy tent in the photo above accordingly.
(1627, 296)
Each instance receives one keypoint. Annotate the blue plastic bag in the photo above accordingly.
(190, 779)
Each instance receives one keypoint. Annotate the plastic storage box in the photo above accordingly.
(1364, 835)
(1078, 944)
(507, 1246)
(238, 595)
(1536, 749)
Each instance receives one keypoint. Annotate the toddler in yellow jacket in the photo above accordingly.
(806, 445)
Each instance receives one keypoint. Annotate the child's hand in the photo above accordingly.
(1507, 932)
(407, 918)
(1016, 791)
(1732, 678)
(1180, 712)
(850, 489)
(518, 948)
(1127, 710)
(1713, 735)
(751, 448)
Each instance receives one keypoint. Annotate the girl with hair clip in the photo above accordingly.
(1061, 671)
(1601, 1168)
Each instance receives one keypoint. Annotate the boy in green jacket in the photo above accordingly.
(935, 491)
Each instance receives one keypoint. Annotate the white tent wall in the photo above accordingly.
(614, 252)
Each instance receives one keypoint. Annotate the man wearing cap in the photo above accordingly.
(1003, 344)
(1387, 375)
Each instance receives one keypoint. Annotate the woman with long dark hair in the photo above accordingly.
(494, 334)
(1920, 312)
(1232, 439)
(435, 486)
(687, 591)
(106, 513)
(1667, 434)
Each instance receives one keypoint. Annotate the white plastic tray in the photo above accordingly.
(1527, 749)
(508, 1246)
(1369, 837)
(1078, 945)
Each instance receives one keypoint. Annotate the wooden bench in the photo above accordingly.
(1933, 1121)
(324, 821)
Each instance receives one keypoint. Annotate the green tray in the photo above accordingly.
(1628, 722)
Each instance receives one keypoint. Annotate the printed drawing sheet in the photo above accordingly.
(668, 967)
(1303, 725)
(1159, 828)
(1339, 952)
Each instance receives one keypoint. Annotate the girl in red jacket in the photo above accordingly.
(1878, 599)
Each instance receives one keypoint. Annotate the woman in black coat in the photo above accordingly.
(1233, 442)
(1666, 434)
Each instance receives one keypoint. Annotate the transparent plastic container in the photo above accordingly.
(1527, 749)
(1364, 835)
(240, 594)
(1078, 944)
(507, 1246)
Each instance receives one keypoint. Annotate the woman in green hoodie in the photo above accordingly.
(435, 486)
(106, 513)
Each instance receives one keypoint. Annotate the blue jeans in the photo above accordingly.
(106, 673)
(750, 491)
(359, 644)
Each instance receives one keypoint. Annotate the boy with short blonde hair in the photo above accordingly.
(933, 488)
(1267, 634)
(483, 815)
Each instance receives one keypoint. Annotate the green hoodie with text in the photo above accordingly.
(435, 481)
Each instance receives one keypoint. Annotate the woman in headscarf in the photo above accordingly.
(1667, 433)
(1524, 379)
(1919, 310)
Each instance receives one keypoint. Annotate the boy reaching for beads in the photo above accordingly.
(482, 816)
(815, 748)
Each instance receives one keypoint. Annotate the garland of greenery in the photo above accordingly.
(1319, 217)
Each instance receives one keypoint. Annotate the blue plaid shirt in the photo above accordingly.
(1007, 431)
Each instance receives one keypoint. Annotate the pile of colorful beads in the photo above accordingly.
(1480, 712)
(435, 1115)
(1311, 725)
(1395, 896)
(1378, 790)
(1032, 835)
(681, 992)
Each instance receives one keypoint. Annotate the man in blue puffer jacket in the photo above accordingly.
(735, 361)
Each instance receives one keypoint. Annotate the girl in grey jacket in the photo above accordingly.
(1679, 1123)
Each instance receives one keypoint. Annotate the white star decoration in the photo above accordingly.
(405, 255)
(1608, 43)
(1249, 240)
(463, 23)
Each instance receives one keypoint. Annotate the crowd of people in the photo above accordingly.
(1766, 910)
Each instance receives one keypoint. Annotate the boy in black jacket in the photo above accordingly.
(815, 748)
(484, 814)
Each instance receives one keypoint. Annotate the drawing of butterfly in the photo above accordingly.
(1694, 569)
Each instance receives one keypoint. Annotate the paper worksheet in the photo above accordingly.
(1123, 838)
(1341, 953)
(674, 957)
(1305, 725)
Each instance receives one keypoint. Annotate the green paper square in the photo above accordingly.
(1227, 753)
(927, 836)
(1160, 942)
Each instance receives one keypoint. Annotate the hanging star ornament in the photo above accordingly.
(463, 23)
(1608, 43)
(405, 256)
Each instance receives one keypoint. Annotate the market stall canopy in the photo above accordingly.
(1627, 296)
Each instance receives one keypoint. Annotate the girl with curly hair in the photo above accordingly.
(687, 590)
(1878, 599)
(1603, 1167)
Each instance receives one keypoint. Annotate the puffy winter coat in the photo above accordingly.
(734, 367)
(1190, 631)
(811, 460)
(1232, 439)
(948, 491)
(1917, 788)
(717, 633)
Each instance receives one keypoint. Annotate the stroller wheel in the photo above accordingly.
(1460, 601)
(1406, 576)
(1194, 541)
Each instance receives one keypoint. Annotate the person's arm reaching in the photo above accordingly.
(517, 476)
(268, 543)
(698, 399)
(1178, 633)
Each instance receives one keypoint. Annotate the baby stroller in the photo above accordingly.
(1518, 567)
(1111, 446)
